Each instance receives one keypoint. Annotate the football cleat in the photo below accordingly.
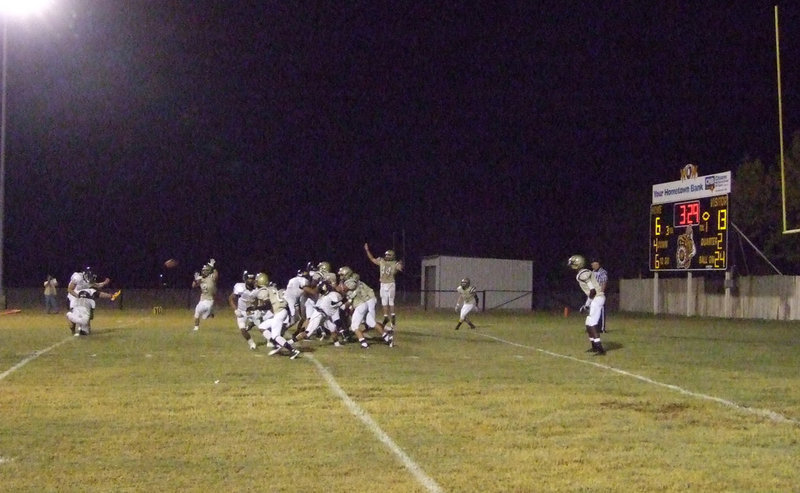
(274, 351)
(295, 354)
(116, 295)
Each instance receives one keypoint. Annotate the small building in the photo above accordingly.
(501, 283)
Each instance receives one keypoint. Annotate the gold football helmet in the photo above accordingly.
(576, 262)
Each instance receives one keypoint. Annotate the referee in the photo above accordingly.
(602, 278)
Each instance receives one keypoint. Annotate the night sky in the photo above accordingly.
(267, 134)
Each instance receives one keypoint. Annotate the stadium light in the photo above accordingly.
(8, 9)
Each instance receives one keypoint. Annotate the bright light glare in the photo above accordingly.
(22, 8)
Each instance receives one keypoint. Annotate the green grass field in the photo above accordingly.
(145, 404)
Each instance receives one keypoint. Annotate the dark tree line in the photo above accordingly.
(757, 209)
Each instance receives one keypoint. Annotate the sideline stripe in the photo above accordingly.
(772, 415)
(36, 354)
(426, 481)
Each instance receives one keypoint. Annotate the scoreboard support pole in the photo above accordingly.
(690, 299)
(728, 298)
(655, 293)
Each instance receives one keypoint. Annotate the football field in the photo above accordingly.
(146, 404)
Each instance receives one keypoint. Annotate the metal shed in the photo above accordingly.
(501, 283)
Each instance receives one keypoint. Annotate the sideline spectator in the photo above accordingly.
(50, 292)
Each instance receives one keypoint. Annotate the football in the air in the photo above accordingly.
(171, 263)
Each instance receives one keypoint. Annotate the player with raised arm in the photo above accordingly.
(206, 280)
(467, 301)
(595, 299)
(388, 267)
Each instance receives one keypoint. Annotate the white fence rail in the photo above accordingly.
(762, 297)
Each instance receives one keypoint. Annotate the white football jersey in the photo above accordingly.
(294, 288)
(330, 303)
(79, 281)
(246, 297)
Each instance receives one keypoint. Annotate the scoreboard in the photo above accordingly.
(689, 235)
(691, 232)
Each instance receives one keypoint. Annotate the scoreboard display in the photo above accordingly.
(689, 234)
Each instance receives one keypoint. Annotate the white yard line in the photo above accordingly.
(415, 469)
(30, 358)
(772, 415)
(36, 354)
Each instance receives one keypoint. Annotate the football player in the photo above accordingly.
(273, 327)
(467, 301)
(326, 315)
(362, 299)
(317, 275)
(296, 298)
(388, 267)
(206, 280)
(85, 280)
(595, 300)
(243, 302)
(82, 311)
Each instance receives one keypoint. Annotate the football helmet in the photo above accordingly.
(324, 267)
(89, 275)
(351, 284)
(389, 255)
(262, 279)
(345, 272)
(465, 282)
(206, 270)
(249, 279)
(576, 262)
